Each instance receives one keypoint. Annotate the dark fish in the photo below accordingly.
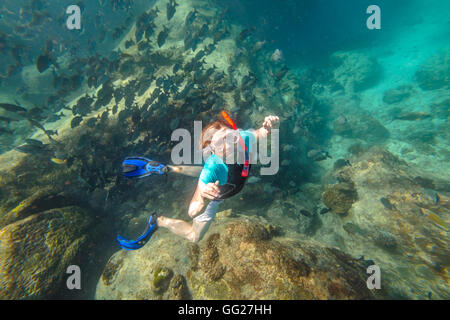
(150, 30)
(162, 36)
(35, 113)
(142, 20)
(171, 9)
(91, 122)
(153, 13)
(7, 120)
(411, 116)
(306, 213)
(36, 124)
(13, 108)
(34, 142)
(219, 76)
(210, 48)
(76, 121)
(220, 35)
(139, 33)
(318, 155)
(53, 118)
(4, 130)
(43, 62)
(190, 17)
(354, 229)
(51, 133)
(117, 32)
(281, 73)
(203, 30)
(387, 204)
(129, 43)
(176, 67)
(245, 33)
(33, 149)
(200, 55)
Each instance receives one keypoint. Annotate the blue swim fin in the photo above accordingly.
(143, 239)
(140, 167)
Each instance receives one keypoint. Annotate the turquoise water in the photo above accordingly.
(363, 141)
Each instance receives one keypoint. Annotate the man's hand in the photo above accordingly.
(271, 122)
(210, 191)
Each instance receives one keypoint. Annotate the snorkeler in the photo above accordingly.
(218, 181)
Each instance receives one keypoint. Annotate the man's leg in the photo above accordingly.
(190, 232)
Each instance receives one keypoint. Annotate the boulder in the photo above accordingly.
(239, 258)
(361, 126)
(433, 73)
(398, 222)
(340, 197)
(397, 95)
(36, 251)
(355, 71)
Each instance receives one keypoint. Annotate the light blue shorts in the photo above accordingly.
(210, 211)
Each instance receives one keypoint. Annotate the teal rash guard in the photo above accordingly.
(215, 169)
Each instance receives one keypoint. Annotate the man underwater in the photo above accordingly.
(219, 179)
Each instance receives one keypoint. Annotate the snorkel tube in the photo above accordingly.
(241, 141)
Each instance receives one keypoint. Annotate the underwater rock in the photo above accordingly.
(161, 278)
(237, 259)
(441, 109)
(355, 71)
(39, 248)
(395, 221)
(363, 127)
(385, 240)
(42, 200)
(433, 74)
(340, 197)
(397, 95)
(411, 116)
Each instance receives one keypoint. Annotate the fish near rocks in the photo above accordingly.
(162, 36)
(245, 33)
(412, 116)
(33, 149)
(387, 204)
(318, 155)
(190, 17)
(76, 121)
(281, 73)
(42, 63)
(13, 108)
(171, 8)
(7, 120)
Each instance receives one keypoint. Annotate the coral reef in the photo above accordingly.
(364, 127)
(355, 71)
(239, 259)
(395, 218)
(434, 73)
(340, 197)
(40, 247)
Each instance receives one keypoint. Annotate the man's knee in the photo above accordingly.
(193, 237)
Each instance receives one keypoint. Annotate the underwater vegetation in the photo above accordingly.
(363, 155)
